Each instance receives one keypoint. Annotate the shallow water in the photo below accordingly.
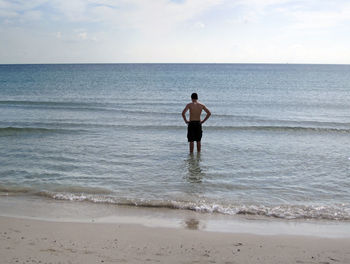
(276, 144)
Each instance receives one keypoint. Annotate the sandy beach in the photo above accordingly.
(37, 241)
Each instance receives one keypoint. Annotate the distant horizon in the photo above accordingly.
(223, 63)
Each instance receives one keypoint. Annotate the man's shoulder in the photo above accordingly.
(195, 105)
(201, 104)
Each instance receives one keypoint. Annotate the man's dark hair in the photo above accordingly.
(194, 96)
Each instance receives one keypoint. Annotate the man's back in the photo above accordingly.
(195, 110)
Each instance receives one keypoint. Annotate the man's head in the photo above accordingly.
(194, 96)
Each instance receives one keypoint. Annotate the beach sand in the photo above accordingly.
(38, 241)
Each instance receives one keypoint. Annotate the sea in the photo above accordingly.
(275, 146)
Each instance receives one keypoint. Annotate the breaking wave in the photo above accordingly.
(339, 212)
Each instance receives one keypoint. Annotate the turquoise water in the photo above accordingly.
(276, 143)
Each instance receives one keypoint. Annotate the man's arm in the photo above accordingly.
(184, 113)
(208, 114)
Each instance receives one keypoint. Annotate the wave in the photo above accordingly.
(281, 128)
(339, 212)
(122, 107)
(249, 128)
(230, 128)
(17, 189)
(75, 106)
(8, 131)
(125, 102)
(83, 127)
(44, 103)
(94, 107)
(13, 189)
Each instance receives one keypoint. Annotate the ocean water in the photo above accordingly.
(276, 145)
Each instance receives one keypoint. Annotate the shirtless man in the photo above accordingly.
(194, 130)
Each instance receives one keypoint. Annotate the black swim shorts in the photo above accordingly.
(194, 131)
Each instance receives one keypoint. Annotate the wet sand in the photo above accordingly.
(38, 241)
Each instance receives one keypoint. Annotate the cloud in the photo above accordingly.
(20, 5)
(58, 35)
(319, 19)
(21, 11)
(142, 15)
(302, 14)
(199, 25)
(8, 14)
(74, 10)
(32, 15)
(82, 35)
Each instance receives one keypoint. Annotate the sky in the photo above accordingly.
(175, 31)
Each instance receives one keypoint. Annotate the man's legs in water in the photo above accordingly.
(191, 146)
(198, 146)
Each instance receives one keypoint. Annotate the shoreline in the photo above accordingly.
(50, 210)
(38, 241)
(36, 230)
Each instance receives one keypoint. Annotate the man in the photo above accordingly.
(194, 129)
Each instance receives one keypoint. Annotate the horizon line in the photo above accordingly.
(252, 63)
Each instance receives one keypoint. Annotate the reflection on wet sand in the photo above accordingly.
(195, 173)
(192, 224)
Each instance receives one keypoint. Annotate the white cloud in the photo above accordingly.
(302, 14)
(124, 13)
(32, 15)
(8, 13)
(150, 16)
(319, 19)
(74, 10)
(58, 35)
(20, 5)
(82, 35)
(199, 25)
